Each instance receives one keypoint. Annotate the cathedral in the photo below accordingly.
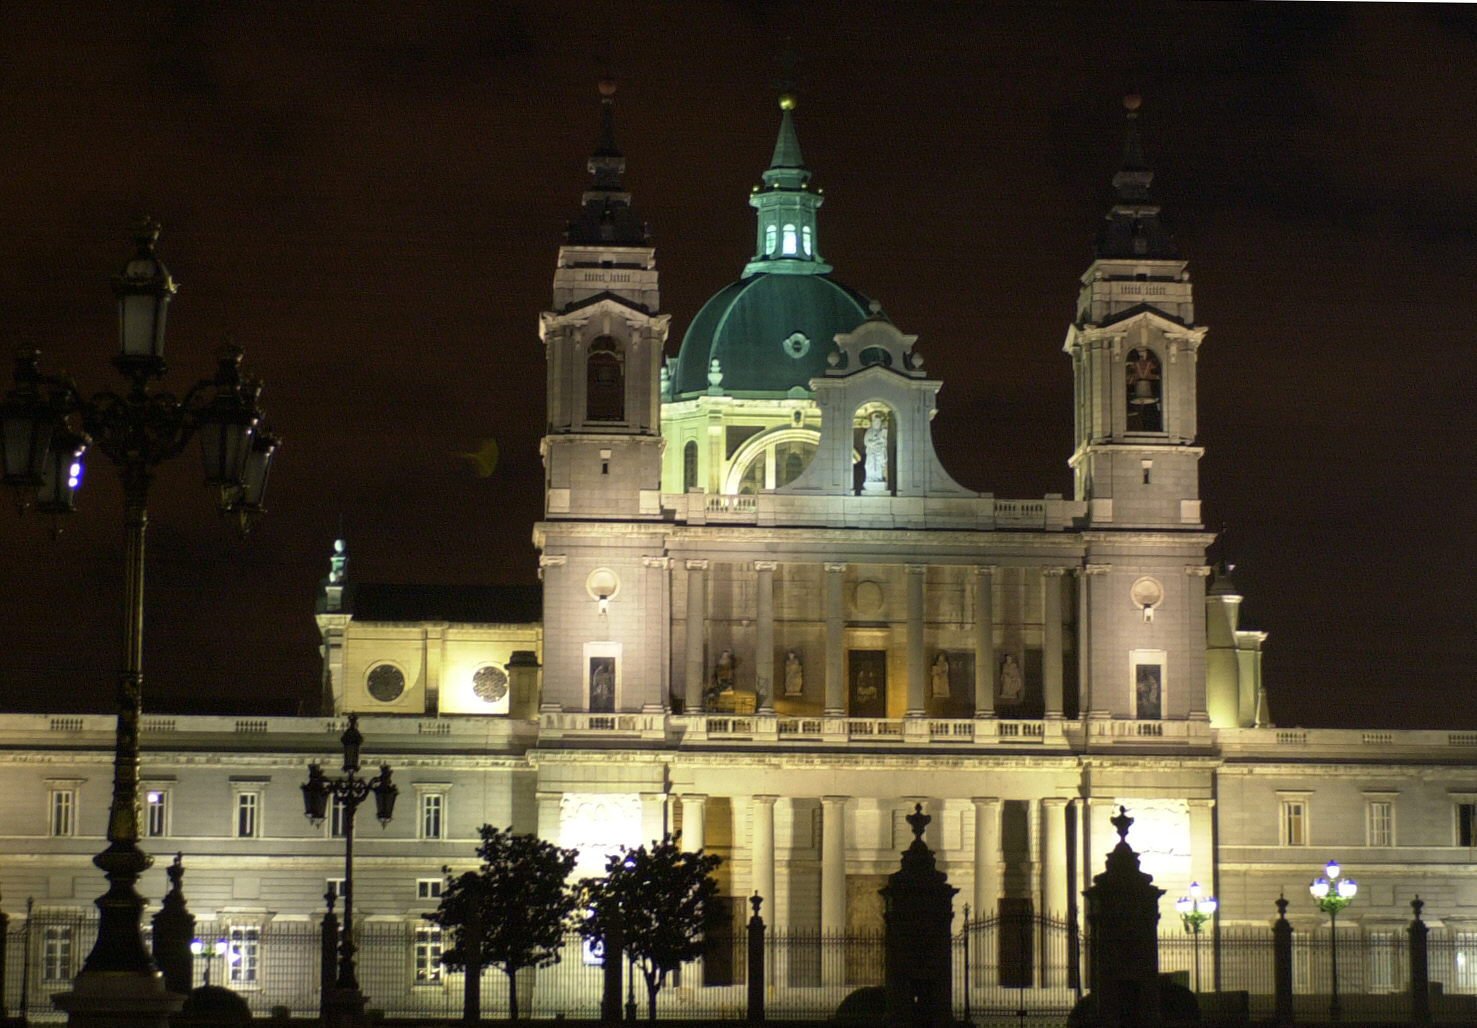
(769, 619)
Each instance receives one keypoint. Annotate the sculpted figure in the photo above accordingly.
(875, 442)
(940, 676)
(1012, 682)
(723, 671)
(794, 674)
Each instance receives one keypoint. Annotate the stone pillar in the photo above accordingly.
(986, 856)
(918, 946)
(653, 816)
(1054, 857)
(548, 815)
(174, 927)
(1123, 923)
(1051, 641)
(764, 636)
(835, 642)
(656, 623)
(1420, 966)
(833, 864)
(917, 661)
(1094, 579)
(761, 851)
(755, 962)
(694, 822)
(984, 641)
(697, 631)
(1282, 965)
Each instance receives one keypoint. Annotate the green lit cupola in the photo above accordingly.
(1134, 229)
(606, 218)
(771, 331)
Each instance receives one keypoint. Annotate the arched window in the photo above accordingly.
(876, 355)
(1145, 391)
(605, 381)
(789, 244)
(689, 465)
(771, 234)
(805, 239)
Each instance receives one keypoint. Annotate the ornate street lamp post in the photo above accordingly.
(1196, 909)
(1333, 893)
(344, 1003)
(217, 949)
(46, 425)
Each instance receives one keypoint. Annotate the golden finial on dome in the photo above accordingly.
(787, 101)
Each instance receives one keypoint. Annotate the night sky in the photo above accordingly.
(369, 197)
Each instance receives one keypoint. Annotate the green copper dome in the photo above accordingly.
(772, 330)
(769, 334)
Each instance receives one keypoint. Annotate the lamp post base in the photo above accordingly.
(342, 1008)
(118, 999)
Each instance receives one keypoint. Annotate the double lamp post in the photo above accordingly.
(47, 426)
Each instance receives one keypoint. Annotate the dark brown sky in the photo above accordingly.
(369, 197)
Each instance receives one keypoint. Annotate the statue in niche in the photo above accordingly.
(602, 685)
(939, 676)
(866, 686)
(875, 443)
(1012, 682)
(794, 674)
(723, 672)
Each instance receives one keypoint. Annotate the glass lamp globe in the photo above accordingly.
(1347, 888)
(1319, 888)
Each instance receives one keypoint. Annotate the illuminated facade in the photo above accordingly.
(771, 619)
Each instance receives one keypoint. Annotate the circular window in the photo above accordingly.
(797, 345)
(489, 684)
(1146, 592)
(386, 682)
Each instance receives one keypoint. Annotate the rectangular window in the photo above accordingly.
(1466, 824)
(56, 953)
(248, 814)
(156, 813)
(243, 954)
(427, 954)
(433, 807)
(63, 816)
(1379, 823)
(1294, 823)
(428, 888)
(334, 886)
(338, 818)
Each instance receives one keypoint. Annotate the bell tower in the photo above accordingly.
(1133, 345)
(603, 342)
(602, 564)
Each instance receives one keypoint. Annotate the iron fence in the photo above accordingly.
(1025, 968)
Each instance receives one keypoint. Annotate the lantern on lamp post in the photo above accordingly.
(1195, 909)
(1333, 892)
(46, 426)
(344, 1004)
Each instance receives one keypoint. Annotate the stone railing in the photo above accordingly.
(571, 724)
(1360, 744)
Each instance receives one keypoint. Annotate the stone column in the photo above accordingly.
(986, 856)
(835, 642)
(833, 863)
(761, 854)
(694, 823)
(653, 816)
(697, 630)
(557, 695)
(917, 662)
(1093, 577)
(548, 815)
(764, 636)
(984, 641)
(1051, 640)
(654, 628)
(1054, 857)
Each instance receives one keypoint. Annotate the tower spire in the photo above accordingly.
(606, 217)
(1134, 228)
(787, 240)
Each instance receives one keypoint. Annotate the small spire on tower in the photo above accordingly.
(606, 218)
(1134, 229)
